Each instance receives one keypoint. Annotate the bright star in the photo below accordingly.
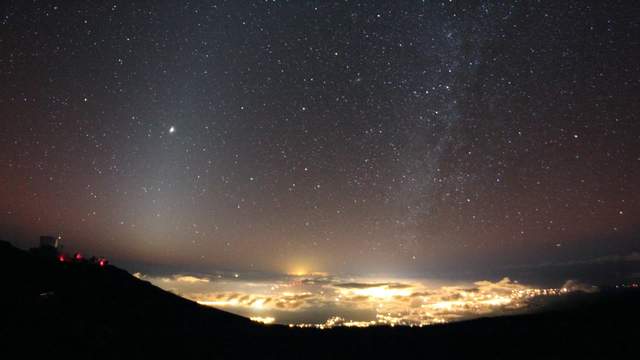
(172, 130)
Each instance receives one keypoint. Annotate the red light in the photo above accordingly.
(78, 256)
(61, 258)
(101, 262)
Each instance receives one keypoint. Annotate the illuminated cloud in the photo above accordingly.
(573, 285)
(410, 303)
(190, 279)
(264, 320)
(356, 285)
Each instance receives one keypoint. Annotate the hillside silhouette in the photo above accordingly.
(80, 310)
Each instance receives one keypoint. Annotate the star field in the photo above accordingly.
(363, 137)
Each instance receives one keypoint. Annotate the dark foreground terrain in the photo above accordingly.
(75, 310)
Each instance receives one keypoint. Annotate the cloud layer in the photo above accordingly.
(326, 301)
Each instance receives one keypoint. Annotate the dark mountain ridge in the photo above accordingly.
(80, 310)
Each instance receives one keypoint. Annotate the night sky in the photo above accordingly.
(362, 137)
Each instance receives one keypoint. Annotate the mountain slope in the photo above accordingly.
(78, 310)
(63, 306)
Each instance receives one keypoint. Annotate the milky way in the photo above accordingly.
(345, 137)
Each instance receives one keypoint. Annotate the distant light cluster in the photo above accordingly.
(360, 302)
(467, 305)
